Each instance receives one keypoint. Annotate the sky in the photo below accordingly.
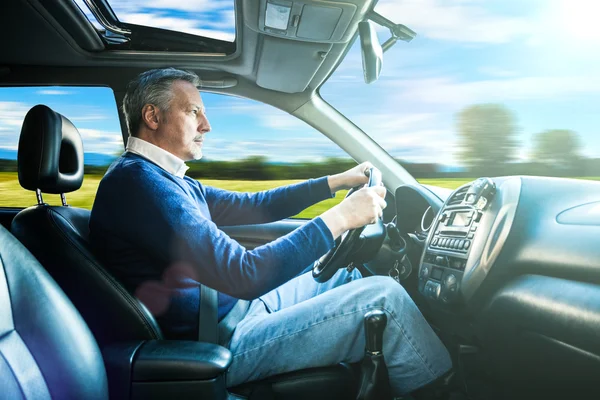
(539, 58)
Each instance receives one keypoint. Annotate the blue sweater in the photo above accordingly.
(159, 234)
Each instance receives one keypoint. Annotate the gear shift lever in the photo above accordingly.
(375, 323)
(374, 380)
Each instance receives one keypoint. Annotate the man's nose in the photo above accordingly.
(204, 125)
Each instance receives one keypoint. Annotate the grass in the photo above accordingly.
(12, 195)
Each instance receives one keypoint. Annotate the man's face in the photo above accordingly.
(181, 129)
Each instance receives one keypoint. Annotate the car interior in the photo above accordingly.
(505, 269)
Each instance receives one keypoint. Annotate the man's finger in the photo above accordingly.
(382, 203)
(380, 190)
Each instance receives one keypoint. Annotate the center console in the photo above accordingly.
(451, 240)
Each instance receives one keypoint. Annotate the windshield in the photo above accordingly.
(486, 88)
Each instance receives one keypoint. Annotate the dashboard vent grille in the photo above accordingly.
(458, 196)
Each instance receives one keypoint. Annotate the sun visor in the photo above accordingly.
(289, 67)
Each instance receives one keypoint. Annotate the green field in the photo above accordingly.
(12, 195)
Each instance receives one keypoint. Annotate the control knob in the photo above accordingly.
(449, 288)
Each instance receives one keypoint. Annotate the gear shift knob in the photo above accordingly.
(375, 323)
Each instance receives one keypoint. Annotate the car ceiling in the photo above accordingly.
(40, 50)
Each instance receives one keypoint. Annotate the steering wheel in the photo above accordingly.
(350, 243)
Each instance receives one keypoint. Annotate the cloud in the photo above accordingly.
(460, 21)
(286, 149)
(198, 6)
(53, 92)
(267, 116)
(414, 137)
(497, 72)
(100, 141)
(389, 122)
(12, 114)
(449, 91)
(158, 14)
(92, 117)
(278, 121)
(186, 25)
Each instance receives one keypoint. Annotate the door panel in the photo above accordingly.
(251, 236)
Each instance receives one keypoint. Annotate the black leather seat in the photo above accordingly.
(50, 160)
(46, 349)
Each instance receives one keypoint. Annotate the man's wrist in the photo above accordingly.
(335, 221)
(335, 182)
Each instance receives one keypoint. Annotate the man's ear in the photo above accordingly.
(151, 116)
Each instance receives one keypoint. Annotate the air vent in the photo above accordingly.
(458, 196)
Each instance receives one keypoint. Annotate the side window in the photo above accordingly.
(91, 109)
(253, 147)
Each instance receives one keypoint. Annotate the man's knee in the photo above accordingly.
(386, 290)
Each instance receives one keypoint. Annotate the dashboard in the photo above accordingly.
(489, 231)
(507, 269)
(455, 256)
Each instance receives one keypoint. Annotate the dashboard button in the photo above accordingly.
(467, 244)
(424, 273)
(450, 281)
(433, 289)
(435, 241)
(473, 228)
(470, 236)
(478, 216)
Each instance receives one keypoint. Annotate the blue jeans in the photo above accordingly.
(304, 324)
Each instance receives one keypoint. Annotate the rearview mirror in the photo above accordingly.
(372, 53)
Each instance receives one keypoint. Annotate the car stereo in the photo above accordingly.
(450, 240)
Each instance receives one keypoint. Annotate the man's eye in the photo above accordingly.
(195, 111)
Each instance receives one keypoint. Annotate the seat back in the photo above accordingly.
(50, 159)
(46, 349)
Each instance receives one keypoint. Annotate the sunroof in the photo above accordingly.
(214, 19)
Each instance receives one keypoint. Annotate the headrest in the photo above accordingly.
(50, 156)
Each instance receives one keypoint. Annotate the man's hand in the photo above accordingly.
(349, 179)
(362, 208)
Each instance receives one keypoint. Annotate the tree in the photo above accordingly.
(558, 148)
(487, 137)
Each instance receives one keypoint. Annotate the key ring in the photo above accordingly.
(394, 273)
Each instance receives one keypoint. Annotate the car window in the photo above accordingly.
(253, 147)
(92, 110)
(172, 26)
(482, 90)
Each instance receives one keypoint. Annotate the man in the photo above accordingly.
(158, 231)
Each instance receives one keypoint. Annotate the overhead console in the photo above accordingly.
(333, 21)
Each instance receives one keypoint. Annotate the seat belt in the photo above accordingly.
(208, 330)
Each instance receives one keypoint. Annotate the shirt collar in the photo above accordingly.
(160, 157)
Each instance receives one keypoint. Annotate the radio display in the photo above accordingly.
(460, 219)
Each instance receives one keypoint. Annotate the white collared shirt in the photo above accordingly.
(158, 156)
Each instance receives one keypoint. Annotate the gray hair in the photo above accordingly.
(152, 87)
